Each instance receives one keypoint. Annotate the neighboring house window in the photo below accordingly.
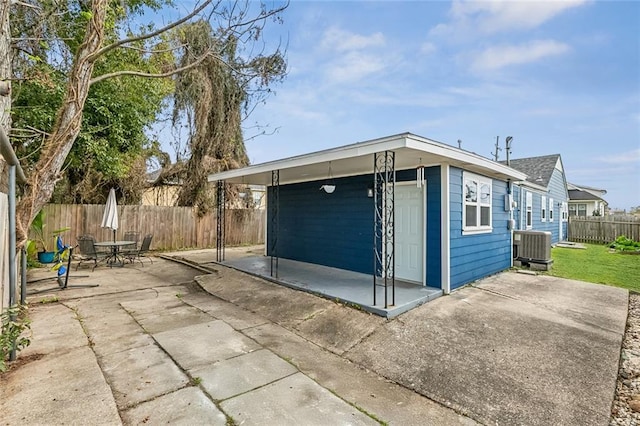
(582, 210)
(543, 211)
(572, 210)
(529, 210)
(550, 209)
(477, 203)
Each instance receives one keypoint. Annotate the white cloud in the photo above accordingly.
(343, 41)
(351, 57)
(501, 15)
(354, 66)
(632, 156)
(428, 48)
(498, 57)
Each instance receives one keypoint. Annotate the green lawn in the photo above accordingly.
(597, 265)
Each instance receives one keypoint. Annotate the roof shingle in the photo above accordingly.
(538, 169)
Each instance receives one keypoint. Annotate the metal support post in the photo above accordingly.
(384, 177)
(275, 220)
(220, 223)
(12, 248)
(23, 276)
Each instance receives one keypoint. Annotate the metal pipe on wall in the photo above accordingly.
(10, 156)
(12, 247)
(15, 172)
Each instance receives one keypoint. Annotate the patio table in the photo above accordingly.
(114, 257)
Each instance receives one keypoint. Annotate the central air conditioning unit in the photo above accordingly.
(532, 248)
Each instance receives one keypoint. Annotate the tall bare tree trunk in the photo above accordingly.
(57, 146)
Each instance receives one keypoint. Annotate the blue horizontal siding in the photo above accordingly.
(555, 190)
(476, 256)
(327, 229)
(337, 229)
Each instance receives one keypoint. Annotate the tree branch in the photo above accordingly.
(170, 49)
(150, 75)
(152, 34)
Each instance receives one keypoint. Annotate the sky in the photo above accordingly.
(560, 77)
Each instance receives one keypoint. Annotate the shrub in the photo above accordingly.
(14, 323)
(622, 243)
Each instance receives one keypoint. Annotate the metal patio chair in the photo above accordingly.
(88, 252)
(141, 252)
(131, 248)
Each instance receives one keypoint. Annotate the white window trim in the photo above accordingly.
(543, 209)
(479, 229)
(528, 209)
(550, 209)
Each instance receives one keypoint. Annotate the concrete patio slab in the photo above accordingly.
(168, 319)
(242, 374)
(56, 329)
(500, 359)
(114, 331)
(337, 328)
(359, 386)
(586, 303)
(262, 297)
(237, 317)
(203, 344)
(294, 400)
(330, 325)
(60, 388)
(141, 374)
(188, 406)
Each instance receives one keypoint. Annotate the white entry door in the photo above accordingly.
(409, 232)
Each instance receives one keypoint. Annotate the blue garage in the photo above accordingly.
(405, 211)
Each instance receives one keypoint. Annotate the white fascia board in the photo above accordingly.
(349, 151)
(360, 149)
(457, 154)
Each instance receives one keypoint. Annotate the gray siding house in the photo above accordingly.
(541, 200)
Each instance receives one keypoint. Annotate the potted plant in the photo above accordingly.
(39, 245)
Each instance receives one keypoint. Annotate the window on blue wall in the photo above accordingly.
(550, 209)
(543, 212)
(477, 203)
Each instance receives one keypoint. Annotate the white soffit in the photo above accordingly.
(357, 159)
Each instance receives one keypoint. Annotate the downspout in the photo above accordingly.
(511, 223)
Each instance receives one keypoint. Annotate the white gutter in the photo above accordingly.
(530, 185)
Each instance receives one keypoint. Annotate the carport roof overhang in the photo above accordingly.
(410, 150)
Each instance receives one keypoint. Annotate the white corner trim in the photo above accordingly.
(424, 233)
(445, 230)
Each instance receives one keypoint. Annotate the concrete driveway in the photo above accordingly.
(217, 345)
(512, 349)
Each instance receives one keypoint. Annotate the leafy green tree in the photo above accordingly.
(112, 145)
(80, 37)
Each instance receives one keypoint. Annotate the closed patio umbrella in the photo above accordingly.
(110, 216)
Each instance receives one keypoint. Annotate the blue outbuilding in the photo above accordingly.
(404, 210)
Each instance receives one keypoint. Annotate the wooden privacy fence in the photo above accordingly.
(172, 227)
(601, 230)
